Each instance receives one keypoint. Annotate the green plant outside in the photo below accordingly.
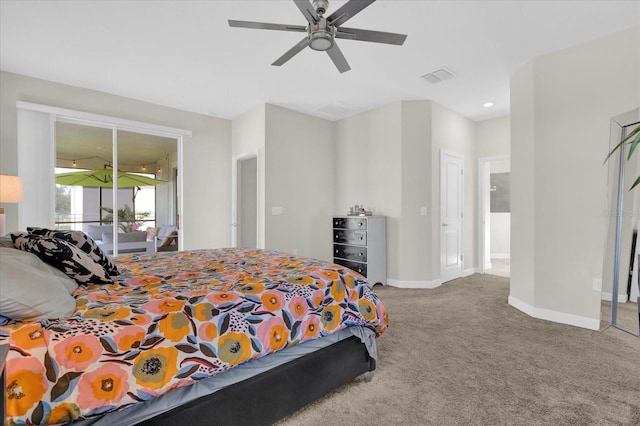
(128, 220)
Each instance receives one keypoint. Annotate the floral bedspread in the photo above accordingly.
(171, 319)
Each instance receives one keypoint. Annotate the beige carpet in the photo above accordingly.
(460, 355)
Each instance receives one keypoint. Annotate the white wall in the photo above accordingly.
(415, 230)
(389, 160)
(493, 137)
(299, 178)
(248, 138)
(454, 134)
(206, 155)
(561, 107)
(367, 162)
(523, 225)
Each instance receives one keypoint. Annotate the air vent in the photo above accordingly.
(438, 76)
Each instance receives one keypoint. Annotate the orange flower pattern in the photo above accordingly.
(173, 318)
(78, 352)
(25, 384)
(104, 386)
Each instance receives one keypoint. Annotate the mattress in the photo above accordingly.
(146, 410)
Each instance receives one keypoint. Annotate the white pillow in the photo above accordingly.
(31, 290)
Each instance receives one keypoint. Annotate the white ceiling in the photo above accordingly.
(183, 54)
(93, 145)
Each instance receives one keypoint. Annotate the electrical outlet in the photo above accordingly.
(294, 251)
(423, 211)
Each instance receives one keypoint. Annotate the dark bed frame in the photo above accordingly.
(274, 394)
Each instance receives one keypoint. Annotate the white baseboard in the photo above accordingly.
(471, 271)
(622, 298)
(555, 316)
(413, 284)
(427, 284)
(501, 255)
(488, 266)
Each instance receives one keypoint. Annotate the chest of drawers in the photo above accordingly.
(360, 243)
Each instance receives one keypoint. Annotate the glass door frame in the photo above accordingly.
(46, 141)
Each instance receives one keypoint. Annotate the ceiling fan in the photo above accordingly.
(322, 32)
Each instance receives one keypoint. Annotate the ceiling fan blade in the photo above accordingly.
(338, 58)
(348, 11)
(373, 36)
(266, 26)
(292, 52)
(307, 10)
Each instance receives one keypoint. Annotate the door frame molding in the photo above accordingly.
(482, 162)
(234, 195)
(444, 152)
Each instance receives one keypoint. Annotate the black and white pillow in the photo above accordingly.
(63, 255)
(83, 242)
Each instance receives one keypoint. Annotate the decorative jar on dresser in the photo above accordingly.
(360, 243)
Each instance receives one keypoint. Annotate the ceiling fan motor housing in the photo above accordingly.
(321, 6)
(321, 35)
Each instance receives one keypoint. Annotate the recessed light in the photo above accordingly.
(487, 104)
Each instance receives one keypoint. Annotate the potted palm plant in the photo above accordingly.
(633, 139)
(128, 220)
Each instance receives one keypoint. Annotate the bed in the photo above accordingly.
(177, 336)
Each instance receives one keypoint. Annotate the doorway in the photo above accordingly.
(245, 225)
(37, 135)
(495, 215)
(451, 216)
(85, 164)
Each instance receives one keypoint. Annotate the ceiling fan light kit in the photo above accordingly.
(321, 36)
(322, 32)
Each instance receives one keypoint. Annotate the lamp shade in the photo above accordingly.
(10, 189)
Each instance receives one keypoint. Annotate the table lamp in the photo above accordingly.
(10, 192)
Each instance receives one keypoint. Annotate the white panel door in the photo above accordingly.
(451, 187)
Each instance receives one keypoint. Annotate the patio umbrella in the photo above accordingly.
(103, 178)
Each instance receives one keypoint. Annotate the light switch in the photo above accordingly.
(423, 211)
(275, 211)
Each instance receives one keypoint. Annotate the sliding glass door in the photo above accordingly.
(90, 161)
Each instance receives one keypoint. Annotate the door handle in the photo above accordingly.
(445, 224)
